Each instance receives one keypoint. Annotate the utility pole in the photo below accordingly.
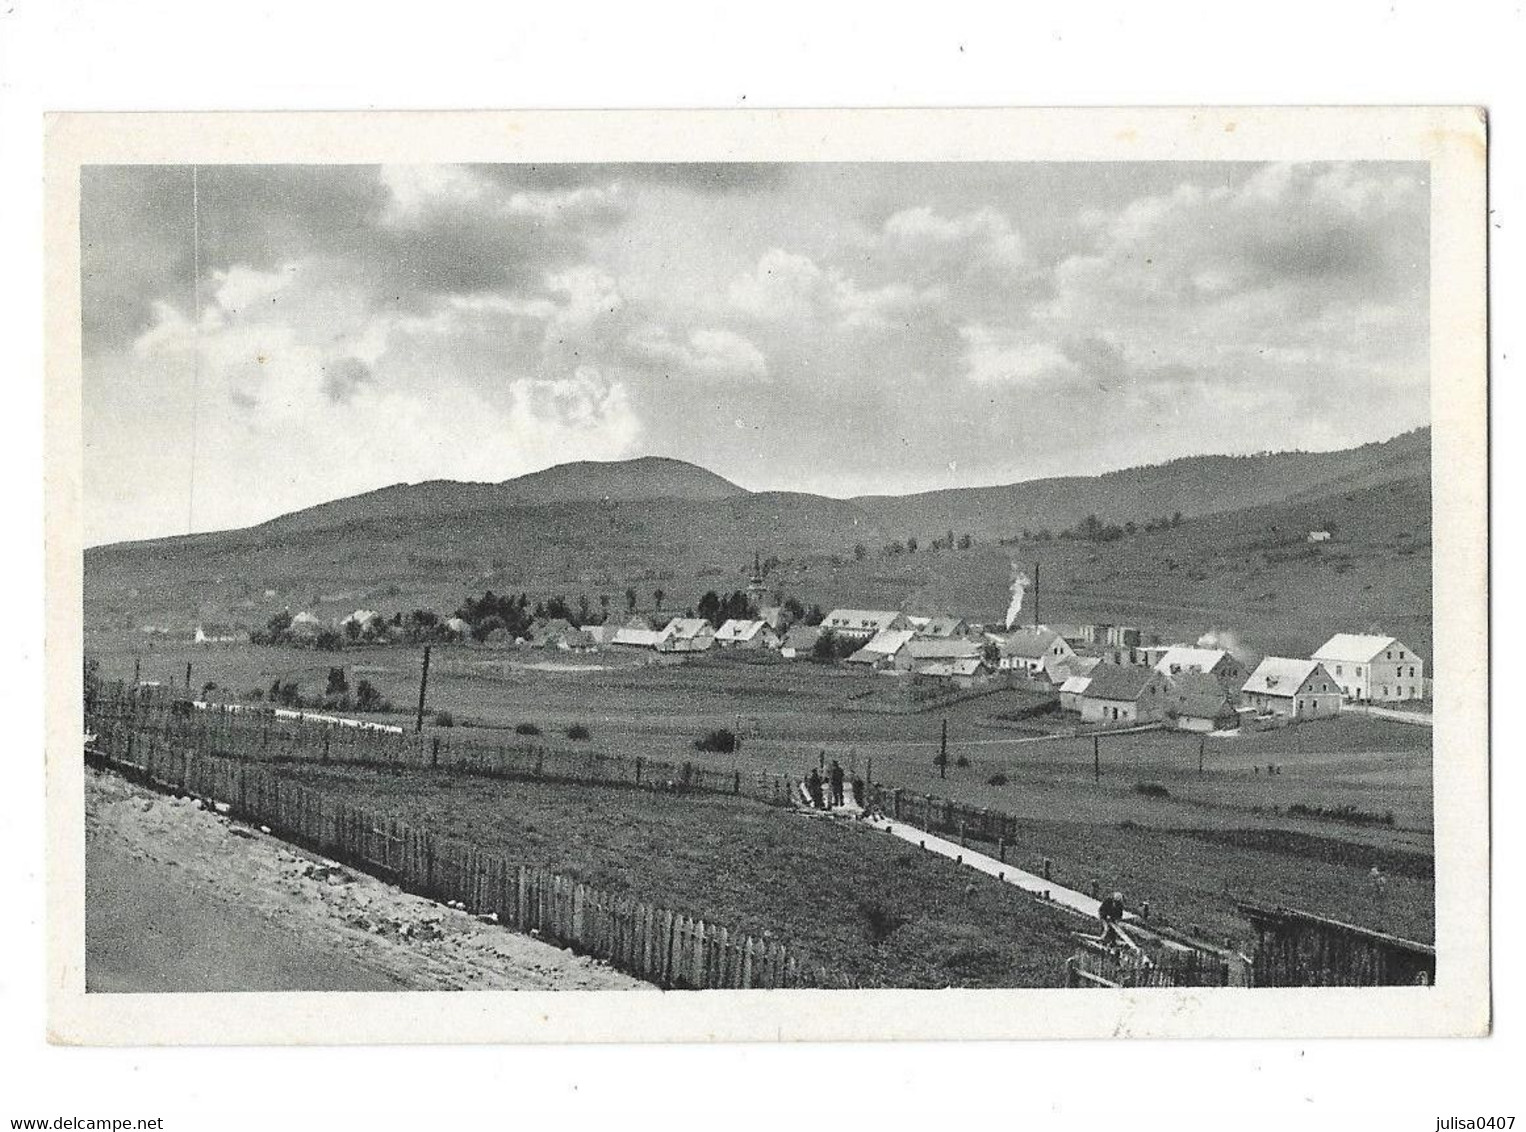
(137, 671)
(1035, 595)
(188, 676)
(418, 725)
(943, 751)
(1202, 743)
(1096, 758)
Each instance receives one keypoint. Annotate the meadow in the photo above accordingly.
(1259, 820)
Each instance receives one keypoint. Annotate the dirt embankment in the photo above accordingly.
(179, 898)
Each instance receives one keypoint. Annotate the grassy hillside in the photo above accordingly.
(1245, 568)
(1196, 485)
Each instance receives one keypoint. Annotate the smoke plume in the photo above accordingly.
(1020, 584)
(1227, 640)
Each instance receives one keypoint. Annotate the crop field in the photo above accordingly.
(1297, 815)
(861, 903)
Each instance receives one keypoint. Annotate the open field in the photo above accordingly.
(790, 713)
(1181, 846)
(835, 892)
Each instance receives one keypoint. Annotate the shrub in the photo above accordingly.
(880, 923)
(721, 739)
(578, 731)
(444, 719)
(527, 729)
(962, 761)
(1151, 790)
(997, 779)
(367, 698)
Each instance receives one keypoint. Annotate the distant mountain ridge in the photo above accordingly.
(583, 481)
(596, 529)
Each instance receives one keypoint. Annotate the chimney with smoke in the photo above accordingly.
(1020, 584)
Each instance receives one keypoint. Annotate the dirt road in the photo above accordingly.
(181, 899)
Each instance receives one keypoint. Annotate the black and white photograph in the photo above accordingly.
(767, 575)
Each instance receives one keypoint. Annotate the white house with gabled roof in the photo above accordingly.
(1293, 688)
(740, 634)
(1373, 668)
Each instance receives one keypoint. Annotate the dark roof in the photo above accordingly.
(1118, 681)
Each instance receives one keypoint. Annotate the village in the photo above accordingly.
(1097, 675)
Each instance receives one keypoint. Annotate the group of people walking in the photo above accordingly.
(826, 792)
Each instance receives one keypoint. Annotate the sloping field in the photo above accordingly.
(860, 903)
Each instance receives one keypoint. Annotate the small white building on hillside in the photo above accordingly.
(1373, 668)
(1293, 688)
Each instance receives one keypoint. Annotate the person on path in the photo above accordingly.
(836, 783)
(860, 799)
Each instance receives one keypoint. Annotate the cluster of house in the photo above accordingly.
(1107, 674)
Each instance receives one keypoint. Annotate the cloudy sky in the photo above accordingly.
(841, 329)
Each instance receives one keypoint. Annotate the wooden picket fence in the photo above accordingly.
(243, 732)
(942, 815)
(653, 943)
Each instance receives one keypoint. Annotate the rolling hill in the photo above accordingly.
(1238, 560)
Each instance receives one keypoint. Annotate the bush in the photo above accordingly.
(997, 779)
(962, 761)
(1151, 790)
(527, 729)
(444, 719)
(721, 739)
(880, 923)
(578, 731)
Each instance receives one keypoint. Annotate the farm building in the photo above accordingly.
(626, 637)
(967, 672)
(864, 623)
(1319, 536)
(735, 634)
(800, 641)
(457, 628)
(1026, 650)
(887, 650)
(1071, 692)
(938, 648)
(1373, 668)
(1295, 689)
(688, 634)
(1124, 693)
(1218, 663)
(1198, 702)
(944, 627)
